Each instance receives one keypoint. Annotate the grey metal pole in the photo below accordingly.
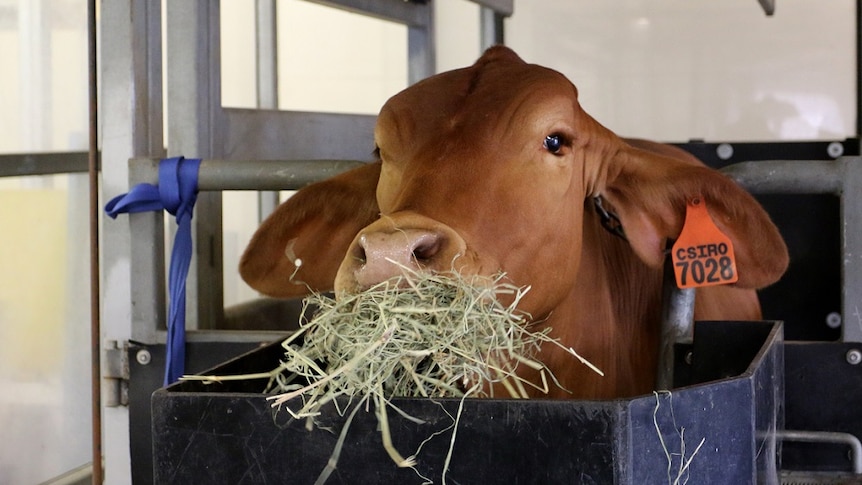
(677, 320)
(95, 270)
(266, 55)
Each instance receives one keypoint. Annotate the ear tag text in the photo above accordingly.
(702, 255)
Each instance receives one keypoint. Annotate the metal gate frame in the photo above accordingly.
(197, 126)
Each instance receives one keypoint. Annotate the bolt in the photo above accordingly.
(833, 320)
(854, 356)
(143, 357)
(835, 149)
(724, 151)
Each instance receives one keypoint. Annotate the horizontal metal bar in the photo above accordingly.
(262, 336)
(252, 134)
(789, 176)
(827, 437)
(268, 174)
(48, 163)
(502, 7)
(401, 11)
(218, 175)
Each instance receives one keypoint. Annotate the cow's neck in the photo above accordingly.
(611, 318)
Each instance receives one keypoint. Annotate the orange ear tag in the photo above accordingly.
(702, 255)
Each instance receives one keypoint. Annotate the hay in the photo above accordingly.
(418, 335)
(430, 338)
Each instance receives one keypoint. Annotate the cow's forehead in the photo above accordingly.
(491, 88)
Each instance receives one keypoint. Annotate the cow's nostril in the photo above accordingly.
(358, 252)
(426, 248)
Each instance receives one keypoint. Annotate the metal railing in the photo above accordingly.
(47, 163)
(841, 177)
(147, 232)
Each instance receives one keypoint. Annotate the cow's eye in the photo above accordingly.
(553, 143)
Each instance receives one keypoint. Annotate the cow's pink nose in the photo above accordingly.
(385, 254)
(384, 250)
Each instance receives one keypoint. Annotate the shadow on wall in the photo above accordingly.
(786, 116)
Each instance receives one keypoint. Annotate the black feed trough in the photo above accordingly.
(714, 427)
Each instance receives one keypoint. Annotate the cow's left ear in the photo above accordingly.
(650, 194)
(300, 246)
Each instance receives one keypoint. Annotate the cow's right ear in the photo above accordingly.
(650, 193)
(300, 246)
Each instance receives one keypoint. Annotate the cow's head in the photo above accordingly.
(491, 168)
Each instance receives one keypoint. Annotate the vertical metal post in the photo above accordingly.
(490, 28)
(148, 263)
(421, 58)
(859, 68)
(131, 114)
(194, 118)
(851, 248)
(266, 47)
(95, 287)
(677, 319)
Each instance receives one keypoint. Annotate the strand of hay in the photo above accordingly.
(682, 472)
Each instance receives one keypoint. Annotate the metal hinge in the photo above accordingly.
(115, 385)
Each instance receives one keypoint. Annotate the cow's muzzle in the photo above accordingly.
(396, 245)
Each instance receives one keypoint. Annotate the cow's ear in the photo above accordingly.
(300, 246)
(650, 193)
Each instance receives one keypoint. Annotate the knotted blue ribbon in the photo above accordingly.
(176, 193)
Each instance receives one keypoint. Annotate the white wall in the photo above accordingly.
(681, 69)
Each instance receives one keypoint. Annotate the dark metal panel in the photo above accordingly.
(146, 371)
(840, 177)
(238, 438)
(719, 154)
(823, 391)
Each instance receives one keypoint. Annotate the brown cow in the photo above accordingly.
(494, 167)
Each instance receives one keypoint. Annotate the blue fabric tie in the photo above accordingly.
(176, 193)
